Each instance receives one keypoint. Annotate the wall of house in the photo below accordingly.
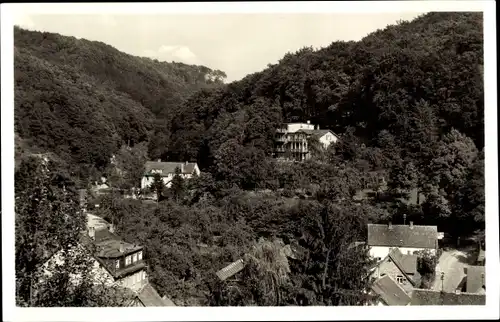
(328, 139)
(98, 272)
(380, 252)
(111, 263)
(387, 267)
(167, 180)
(134, 281)
(196, 170)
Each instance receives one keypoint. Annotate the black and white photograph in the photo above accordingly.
(237, 155)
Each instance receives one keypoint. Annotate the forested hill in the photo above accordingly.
(82, 100)
(408, 84)
(398, 91)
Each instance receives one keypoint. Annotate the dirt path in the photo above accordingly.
(452, 263)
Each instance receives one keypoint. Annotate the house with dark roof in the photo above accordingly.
(114, 262)
(291, 140)
(408, 238)
(402, 268)
(431, 297)
(166, 170)
(474, 281)
(390, 292)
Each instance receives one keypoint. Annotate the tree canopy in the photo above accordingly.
(406, 103)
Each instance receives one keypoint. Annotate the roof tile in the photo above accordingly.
(230, 270)
(430, 297)
(475, 279)
(150, 297)
(390, 292)
(402, 236)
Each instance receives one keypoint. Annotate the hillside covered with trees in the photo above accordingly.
(406, 102)
(83, 100)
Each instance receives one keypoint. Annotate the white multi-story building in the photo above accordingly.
(167, 171)
(291, 141)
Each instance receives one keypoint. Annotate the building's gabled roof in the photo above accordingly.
(407, 264)
(150, 297)
(230, 270)
(390, 292)
(96, 222)
(475, 280)
(169, 167)
(402, 236)
(108, 245)
(430, 297)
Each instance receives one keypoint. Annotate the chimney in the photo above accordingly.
(308, 122)
(111, 228)
(317, 127)
(411, 224)
(122, 248)
(457, 291)
(182, 167)
(92, 233)
(159, 160)
(390, 225)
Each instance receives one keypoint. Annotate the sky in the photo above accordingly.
(238, 44)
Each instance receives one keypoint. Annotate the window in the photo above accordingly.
(139, 256)
(134, 258)
(117, 264)
(400, 279)
(127, 260)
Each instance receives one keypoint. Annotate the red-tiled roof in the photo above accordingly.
(475, 279)
(169, 167)
(430, 297)
(230, 270)
(402, 236)
(390, 292)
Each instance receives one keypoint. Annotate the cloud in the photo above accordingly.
(173, 53)
(24, 21)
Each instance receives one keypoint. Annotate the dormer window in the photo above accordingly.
(139, 255)
(128, 260)
(117, 264)
(156, 171)
(134, 258)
